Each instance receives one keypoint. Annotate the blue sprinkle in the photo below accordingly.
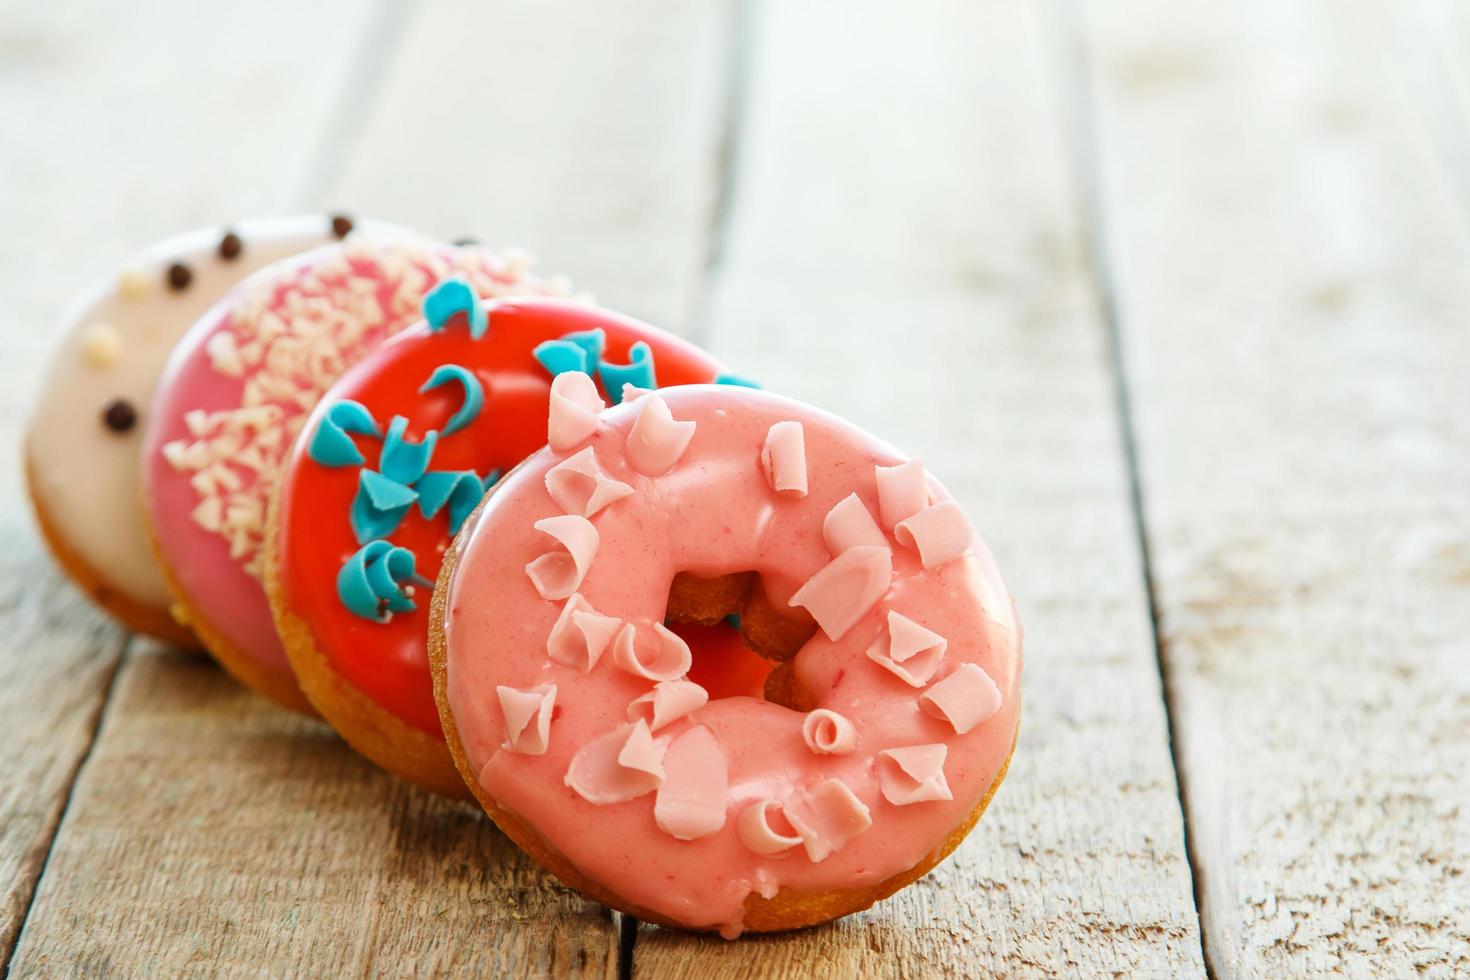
(637, 372)
(403, 460)
(331, 445)
(460, 489)
(370, 583)
(455, 295)
(561, 356)
(437, 486)
(733, 620)
(474, 394)
(593, 341)
(726, 378)
(379, 506)
(384, 493)
(464, 500)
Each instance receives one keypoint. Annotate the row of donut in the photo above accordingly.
(656, 584)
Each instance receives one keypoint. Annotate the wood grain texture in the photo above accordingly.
(213, 832)
(904, 250)
(586, 132)
(210, 831)
(1293, 275)
(100, 153)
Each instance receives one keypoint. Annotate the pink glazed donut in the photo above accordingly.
(862, 760)
(236, 392)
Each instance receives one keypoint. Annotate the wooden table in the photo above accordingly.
(1178, 302)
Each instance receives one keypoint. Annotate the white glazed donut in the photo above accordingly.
(84, 436)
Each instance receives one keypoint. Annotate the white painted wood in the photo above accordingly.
(122, 123)
(585, 132)
(1293, 275)
(905, 251)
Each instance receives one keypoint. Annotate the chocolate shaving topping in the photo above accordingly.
(119, 415)
(341, 225)
(230, 246)
(179, 276)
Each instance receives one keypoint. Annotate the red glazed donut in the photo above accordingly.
(873, 746)
(366, 669)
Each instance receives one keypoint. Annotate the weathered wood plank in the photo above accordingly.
(905, 250)
(587, 132)
(101, 152)
(1293, 274)
(211, 830)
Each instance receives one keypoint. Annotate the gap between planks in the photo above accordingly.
(1074, 63)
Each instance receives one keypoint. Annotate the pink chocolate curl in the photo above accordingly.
(581, 635)
(827, 816)
(964, 699)
(657, 439)
(667, 702)
(559, 573)
(669, 660)
(909, 651)
(939, 534)
(843, 591)
(849, 524)
(572, 414)
(901, 491)
(913, 774)
(527, 716)
(598, 774)
(579, 486)
(783, 456)
(692, 799)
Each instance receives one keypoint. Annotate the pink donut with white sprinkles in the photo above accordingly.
(580, 712)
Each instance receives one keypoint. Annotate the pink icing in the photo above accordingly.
(572, 414)
(849, 525)
(237, 389)
(714, 512)
(784, 458)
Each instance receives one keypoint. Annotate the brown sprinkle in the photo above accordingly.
(179, 276)
(230, 246)
(466, 241)
(119, 415)
(341, 225)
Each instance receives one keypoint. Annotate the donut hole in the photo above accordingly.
(740, 640)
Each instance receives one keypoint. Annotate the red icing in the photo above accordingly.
(388, 661)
